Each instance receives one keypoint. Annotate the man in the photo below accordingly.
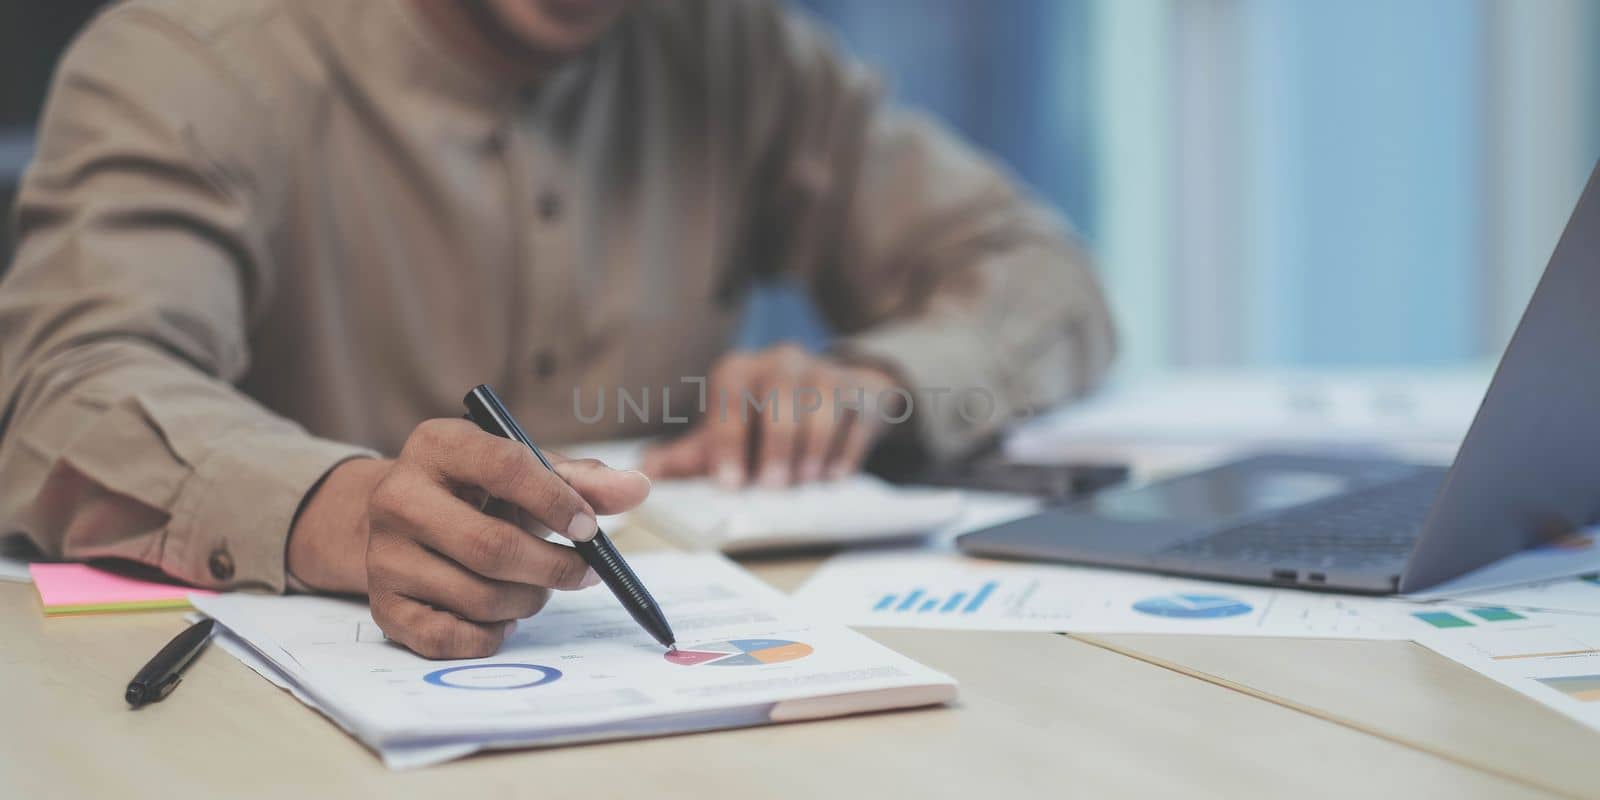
(266, 246)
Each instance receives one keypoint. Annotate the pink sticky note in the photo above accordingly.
(80, 588)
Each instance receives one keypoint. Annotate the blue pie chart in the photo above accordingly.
(1192, 606)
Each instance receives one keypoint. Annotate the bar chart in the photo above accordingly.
(938, 590)
(920, 601)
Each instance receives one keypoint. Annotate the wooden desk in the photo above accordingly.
(1039, 715)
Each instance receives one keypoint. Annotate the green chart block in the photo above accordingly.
(1442, 619)
(1496, 614)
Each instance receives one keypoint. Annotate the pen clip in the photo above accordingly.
(166, 687)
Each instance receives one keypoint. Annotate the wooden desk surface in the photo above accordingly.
(1039, 715)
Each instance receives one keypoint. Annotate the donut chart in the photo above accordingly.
(739, 653)
(493, 677)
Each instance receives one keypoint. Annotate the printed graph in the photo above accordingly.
(1445, 620)
(1583, 688)
(1192, 606)
(919, 601)
(739, 653)
(493, 677)
(1517, 644)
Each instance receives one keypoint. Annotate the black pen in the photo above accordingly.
(164, 672)
(485, 409)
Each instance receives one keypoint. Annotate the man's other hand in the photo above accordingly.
(782, 416)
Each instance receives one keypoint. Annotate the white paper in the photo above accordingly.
(945, 590)
(15, 555)
(1568, 595)
(395, 757)
(1554, 659)
(14, 570)
(580, 670)
(858, 508)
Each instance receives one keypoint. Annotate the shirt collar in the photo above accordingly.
(417, 56)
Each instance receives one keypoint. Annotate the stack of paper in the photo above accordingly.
(1552, 659)
(1579, 595)
(1541, 638)
(580, 670)
(942, 589)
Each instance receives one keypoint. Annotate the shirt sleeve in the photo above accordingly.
(925, 255)
(143, 230)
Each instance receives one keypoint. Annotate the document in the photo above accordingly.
(1554, 660)
(946, 590)
(16, 553)
(14, 570)
(1579, 595)
(581, 670)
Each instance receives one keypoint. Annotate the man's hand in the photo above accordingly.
(782, 416)
(444, 578)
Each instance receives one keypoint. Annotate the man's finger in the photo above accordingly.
(776, 436)
(459, 454)
(727, 421)
(856, 438)
(687, 456)
(432, 633)
(487, 545)
(609, 491)
(439, 582)
(820, 429)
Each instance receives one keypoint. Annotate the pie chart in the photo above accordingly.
(740, 653)
(1192, 606)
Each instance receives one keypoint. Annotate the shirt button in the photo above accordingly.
(549, 206)
(544, 364)
(221, 565)
(495, 142)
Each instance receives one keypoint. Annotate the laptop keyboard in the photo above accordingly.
(1370, 526)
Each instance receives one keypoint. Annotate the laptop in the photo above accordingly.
(1528, 472)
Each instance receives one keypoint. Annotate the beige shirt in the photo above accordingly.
(264, 236)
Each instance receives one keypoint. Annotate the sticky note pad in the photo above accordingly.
(83, 589)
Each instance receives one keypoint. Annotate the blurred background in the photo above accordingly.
(1266, 183)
